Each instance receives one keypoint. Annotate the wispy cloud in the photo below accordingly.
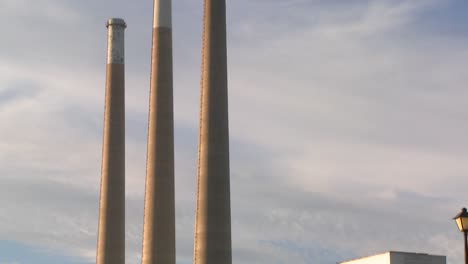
(346, 119)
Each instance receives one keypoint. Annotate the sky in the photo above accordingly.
(348, 129)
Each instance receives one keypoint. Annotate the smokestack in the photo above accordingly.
(213, 213)
(111, 232)
(159, 219)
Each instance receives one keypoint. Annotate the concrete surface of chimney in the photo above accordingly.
(111, 229)
(159, 218)
(213, 211)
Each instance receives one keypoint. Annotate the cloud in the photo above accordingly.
(346, 118)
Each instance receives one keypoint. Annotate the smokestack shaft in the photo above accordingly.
(111, 230)
(213, 213)
(159, 219)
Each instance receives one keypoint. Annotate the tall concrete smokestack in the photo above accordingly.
(213, 213)
(111, 232)
(159, 219)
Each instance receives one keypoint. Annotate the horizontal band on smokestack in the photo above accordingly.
(162, 13)
(116, 41)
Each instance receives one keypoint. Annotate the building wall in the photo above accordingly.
(377, 259)
(399, 258)
(413, 258)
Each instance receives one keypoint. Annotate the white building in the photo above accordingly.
(394, 257)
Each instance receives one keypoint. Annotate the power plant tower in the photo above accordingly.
(111, 230)
(159, 219)
(213, 212)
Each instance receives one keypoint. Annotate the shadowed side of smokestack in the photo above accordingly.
(111, 230)
(159, 219)
(213, 212)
